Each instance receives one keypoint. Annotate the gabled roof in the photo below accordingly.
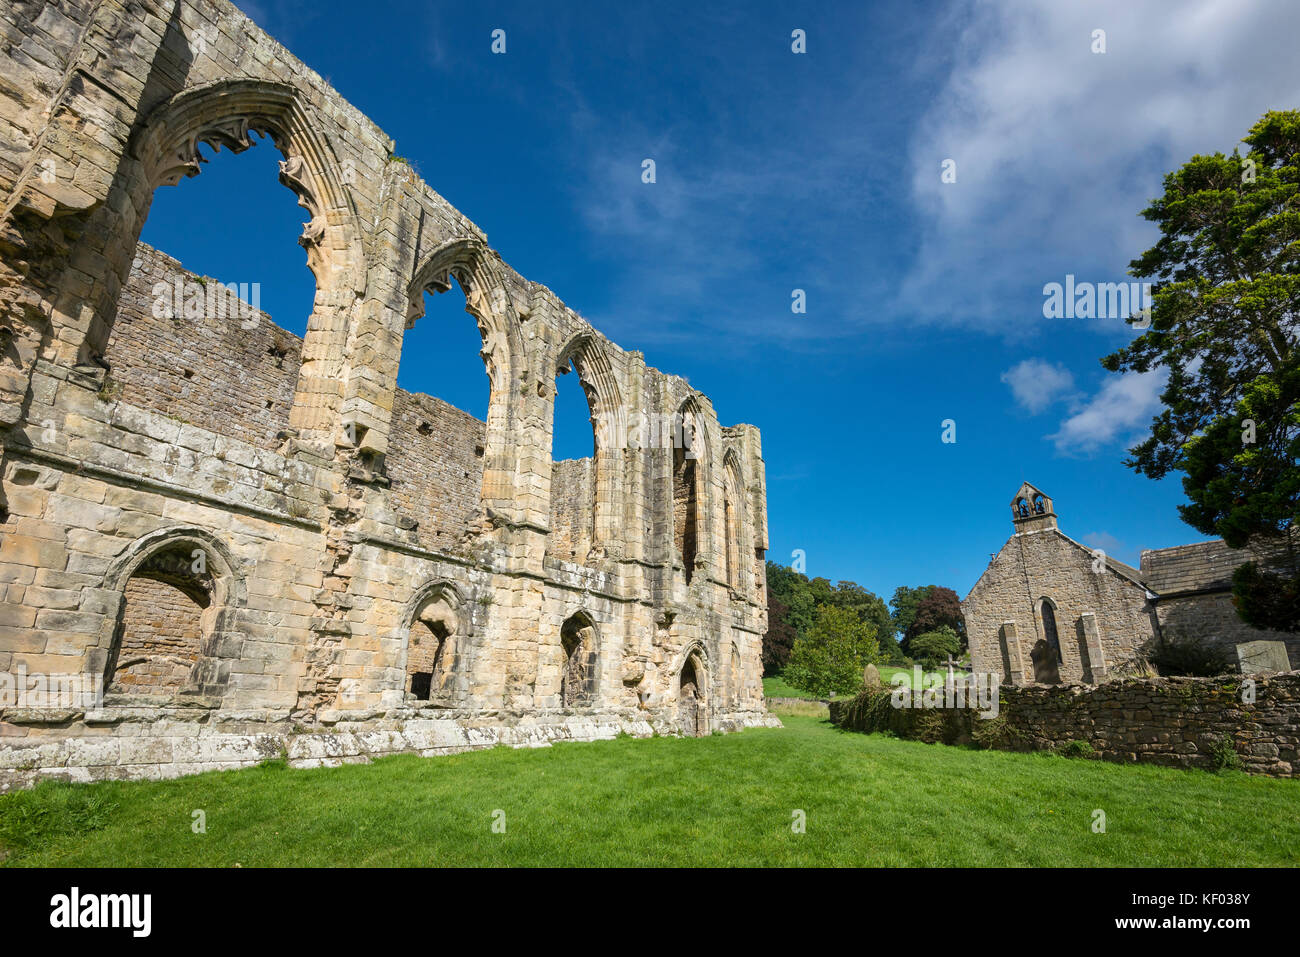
(1127, 572)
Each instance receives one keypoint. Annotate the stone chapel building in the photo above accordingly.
(1050, 610)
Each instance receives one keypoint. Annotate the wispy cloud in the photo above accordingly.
(1120, 408)
(1058, 148)
(1037, 384)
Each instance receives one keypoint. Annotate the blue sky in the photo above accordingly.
(818, 171)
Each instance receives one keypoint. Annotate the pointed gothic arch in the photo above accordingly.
(166, 149)
(477, 270)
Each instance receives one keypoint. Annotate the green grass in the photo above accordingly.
(887, 673)
(721, 800)
(777, 687)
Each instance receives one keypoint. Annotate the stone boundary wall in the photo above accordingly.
(1177, 722)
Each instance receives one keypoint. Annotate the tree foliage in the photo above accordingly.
(1224, 323)
(941, 608)
(933, 647)
(830, 657)
(779, 640)
(801, 595)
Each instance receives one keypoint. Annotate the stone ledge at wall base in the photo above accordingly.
(1176, 722)
(156, 744)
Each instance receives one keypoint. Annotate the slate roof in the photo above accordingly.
(1205, 566)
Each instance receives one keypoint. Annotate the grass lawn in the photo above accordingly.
(721, 800)
(887, 673)
(776, 687)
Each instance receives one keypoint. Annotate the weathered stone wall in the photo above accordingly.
(572, 492)
(224, 373)
(1213, 618)
(1178, 722)
(328, 521)
(1003, 611)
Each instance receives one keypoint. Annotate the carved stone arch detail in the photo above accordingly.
(590, 358)
(444, 591)
(226, 113)
(475, 266)
(223, 575)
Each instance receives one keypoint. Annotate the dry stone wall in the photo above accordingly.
(323, 513)
(1201, 723)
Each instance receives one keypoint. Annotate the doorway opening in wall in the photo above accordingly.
(427, 657)
(690, 695)
(238, 224)
(578, 642)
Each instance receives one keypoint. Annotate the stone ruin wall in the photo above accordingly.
(332, 514)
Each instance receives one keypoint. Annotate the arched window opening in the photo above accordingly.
(578, 678)
(204, 222)
(1046, 653)
(166, 614)
(211, 305)
(1049, 630)
(731, 522)
(574, 475)
(686, 507)
(437, 444)
(574, 434)
(441, 354)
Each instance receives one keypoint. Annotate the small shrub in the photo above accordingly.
(1076, 749)
(995, 732)
(935, 646)
(1224, 753)
(929, 727)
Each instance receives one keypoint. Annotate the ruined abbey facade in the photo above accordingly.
(221, 543)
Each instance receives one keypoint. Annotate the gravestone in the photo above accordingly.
(1260, 656)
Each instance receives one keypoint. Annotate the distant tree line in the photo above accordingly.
(820, 636)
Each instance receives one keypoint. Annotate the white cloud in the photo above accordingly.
(1107, 542)
(1036, 383)
(1058, 149)
(1120, 409)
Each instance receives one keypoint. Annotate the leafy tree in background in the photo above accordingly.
(932, 647)
(792, 588)
(871, 608)
(1224, 323)
(779, 640)
(830, 658)
(939, 609)
(904, 605)
(800, 597)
